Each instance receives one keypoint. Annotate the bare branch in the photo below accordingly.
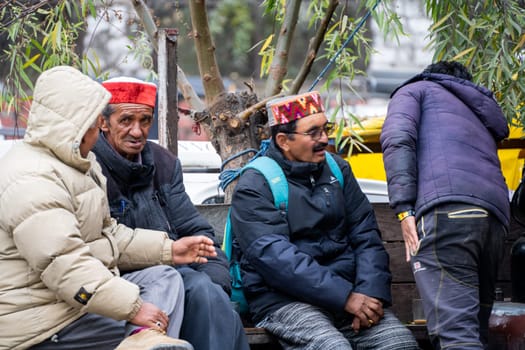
(151, 29)
(205, 49)
(147, 21)
(189, 94)
(313, 48)
(28, 11)
(280, 60)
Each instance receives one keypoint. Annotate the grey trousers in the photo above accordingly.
(455, 269)
(160, 285)
(307, 327)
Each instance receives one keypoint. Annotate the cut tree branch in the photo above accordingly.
(244, 115)
(313, 48)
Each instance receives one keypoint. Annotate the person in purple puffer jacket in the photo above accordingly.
(446, 187)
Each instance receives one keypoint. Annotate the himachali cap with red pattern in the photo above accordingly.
(286, 109)
(131, 90)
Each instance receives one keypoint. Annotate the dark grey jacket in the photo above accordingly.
(151, 195)
(439, 145)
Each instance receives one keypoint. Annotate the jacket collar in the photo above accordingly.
(131, 174)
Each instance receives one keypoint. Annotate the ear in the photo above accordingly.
(104, 126)
(282, 141)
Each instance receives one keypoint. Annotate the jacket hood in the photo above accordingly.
(479, 99)
(128, 174)
(65, 104)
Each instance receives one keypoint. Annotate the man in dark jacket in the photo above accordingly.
(446, 186)
(315, 275)
(145, 189)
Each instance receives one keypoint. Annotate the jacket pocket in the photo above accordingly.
(468, 213)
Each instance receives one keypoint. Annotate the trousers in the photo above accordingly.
(210, 322)
(455, 269)
(160, 285)
(307, 327)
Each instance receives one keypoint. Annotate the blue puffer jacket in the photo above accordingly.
(326, 246)
(439, 145)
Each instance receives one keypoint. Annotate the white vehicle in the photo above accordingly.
(201, 167)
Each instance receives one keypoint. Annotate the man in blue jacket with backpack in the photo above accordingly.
(314, 269)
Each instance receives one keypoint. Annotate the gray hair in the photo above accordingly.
(108, 111)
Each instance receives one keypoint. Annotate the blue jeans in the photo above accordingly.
(209, 323)
(455, 268)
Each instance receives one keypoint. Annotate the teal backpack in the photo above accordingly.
(275, 177)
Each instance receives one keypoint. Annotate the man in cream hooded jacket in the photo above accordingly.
(60, 251)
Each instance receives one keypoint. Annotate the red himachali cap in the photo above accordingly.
(131, 90)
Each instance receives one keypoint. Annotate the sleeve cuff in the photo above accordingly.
(405, 214)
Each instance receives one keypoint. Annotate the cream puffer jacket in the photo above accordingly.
(60, 251)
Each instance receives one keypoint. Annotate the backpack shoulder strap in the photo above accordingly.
(275, 177)
(227, 239)
(334, 168)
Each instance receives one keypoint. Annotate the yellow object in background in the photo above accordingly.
(367, 165)
(512, 159)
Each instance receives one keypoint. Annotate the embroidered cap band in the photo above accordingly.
(286, 109)
(131, 90)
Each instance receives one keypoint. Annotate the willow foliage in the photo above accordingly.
(489, 38)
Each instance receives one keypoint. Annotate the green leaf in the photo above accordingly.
(463, 53)
(26, 79)
(440, 22)
(31, 61)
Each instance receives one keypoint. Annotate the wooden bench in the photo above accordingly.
(403, 286)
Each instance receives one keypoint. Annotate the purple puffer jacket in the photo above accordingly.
(439, 145)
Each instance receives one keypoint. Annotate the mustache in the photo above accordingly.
(320, 146)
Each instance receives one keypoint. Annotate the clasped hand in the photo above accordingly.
(192, 249)
(367, 311)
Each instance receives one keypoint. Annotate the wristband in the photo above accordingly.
(405, 214)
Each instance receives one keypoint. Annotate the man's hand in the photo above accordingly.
(367, 310)
(409, 230)
(192, 249)
(152, 317)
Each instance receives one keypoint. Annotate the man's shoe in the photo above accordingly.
(151, 339)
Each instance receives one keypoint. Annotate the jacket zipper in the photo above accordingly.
(158, 197)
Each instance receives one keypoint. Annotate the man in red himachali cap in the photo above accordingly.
(145, 189)
(71, 277)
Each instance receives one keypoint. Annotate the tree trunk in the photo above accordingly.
(231, 135)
